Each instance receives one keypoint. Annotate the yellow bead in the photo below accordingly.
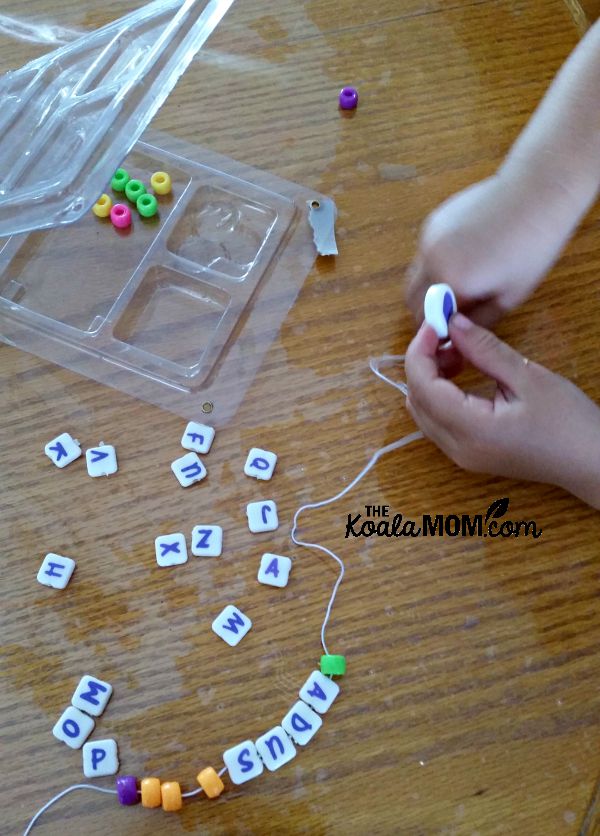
(102, 207)
(210, 782)
(151, 796)
(161, 182)
(171, 796)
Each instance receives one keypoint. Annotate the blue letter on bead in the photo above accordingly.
(59, 450)
(244, 760)
(260, 464)
(71, 729)
(299, 724)
(169, 547)
(98, 755)
(51, 573)
(273, 568)
(203, 541)
(265, 508)
(233, 623)
(192, 470)
(317, 691)
(94, 689)
(99, 456)
(196, 436)
(270, 744)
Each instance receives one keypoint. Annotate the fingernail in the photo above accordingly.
(461, 322)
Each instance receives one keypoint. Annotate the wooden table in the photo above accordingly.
(472, 699)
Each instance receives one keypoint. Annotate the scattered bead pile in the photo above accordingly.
(135, 191)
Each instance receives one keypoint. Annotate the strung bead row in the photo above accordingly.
(166, 795)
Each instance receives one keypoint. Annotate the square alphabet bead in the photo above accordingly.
(56, 571)
(231, 625)
(171, 549)
(301, 723)
(101, 460)
(262, 516)
(62, 450)
(73, 728)
(275, 748)
(100, 757)
(242, 762)
(319, 692)
(207, 540)
(188, 469)
(92, 695)
(197, 437)
(260, 464)
(274, 570)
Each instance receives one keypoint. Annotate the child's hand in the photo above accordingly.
(539, 426)
(490, 244)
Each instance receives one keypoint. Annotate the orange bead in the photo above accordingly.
(150, 788)
(210, 782)
(171, 796)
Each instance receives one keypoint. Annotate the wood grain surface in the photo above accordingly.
(471, 703)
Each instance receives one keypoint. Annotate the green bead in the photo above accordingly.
(120, 180)
(147, 205)
(134, 190)
(335, 665)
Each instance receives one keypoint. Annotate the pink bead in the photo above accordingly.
(120, 215)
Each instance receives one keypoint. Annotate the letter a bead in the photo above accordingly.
(319, 692)
(171, 796)
(151, 795)
(210, 782)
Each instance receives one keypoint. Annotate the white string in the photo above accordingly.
(60, 795)
(374, 364)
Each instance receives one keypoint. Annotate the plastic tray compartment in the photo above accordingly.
(179, 309)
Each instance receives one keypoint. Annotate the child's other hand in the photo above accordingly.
(539, 426)
(492, 243)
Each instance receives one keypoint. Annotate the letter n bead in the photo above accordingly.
(275, 748)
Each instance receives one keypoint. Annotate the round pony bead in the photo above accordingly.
(147, 205)
(151, 795)
(119, 180)
(161, 182)
(348, 98)
(127, 792)
(171, 796)
(102, 206)
(210, 782)
(134, 190)
(120, 215)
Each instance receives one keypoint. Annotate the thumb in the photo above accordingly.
(487, 353)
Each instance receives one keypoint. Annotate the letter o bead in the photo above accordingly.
(151, 794)
(210, 782)
(171, 796)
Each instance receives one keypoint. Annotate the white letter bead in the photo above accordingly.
(242, 762)
(101, 460)
(73, 728)
(171, 549)
(262, 516)
(100, 758)
(56, 571)
(207, 540)
(197, 437)
(275, 748)
(301, 723)
(92, 695)
(188, 469)
(319, 691)
(62, 450)
(260, 464)
(231, 625)
(439, 305)
(274, 570)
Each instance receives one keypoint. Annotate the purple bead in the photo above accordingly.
(348, 98)
(127, 791)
